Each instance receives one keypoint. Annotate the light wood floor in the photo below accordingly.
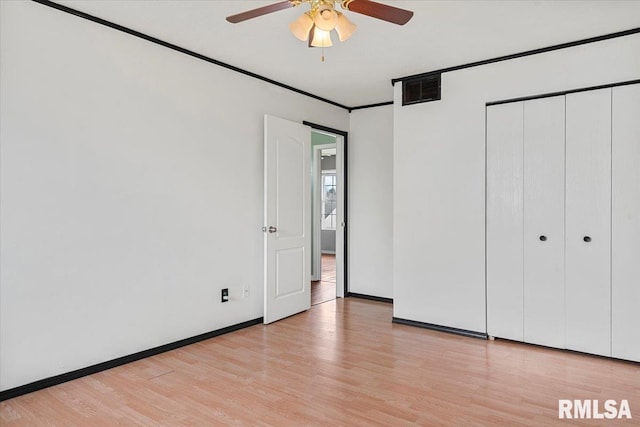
(341, 363)
(324, 289)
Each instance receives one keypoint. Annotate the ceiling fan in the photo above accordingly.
(315, 25)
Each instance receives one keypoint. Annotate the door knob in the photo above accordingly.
(586, 239)
(543, 238)
(272, 229)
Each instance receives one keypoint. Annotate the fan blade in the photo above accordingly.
(380, 11)
(234, 19)
(311, 33)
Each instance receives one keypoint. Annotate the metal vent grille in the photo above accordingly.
(422, 89)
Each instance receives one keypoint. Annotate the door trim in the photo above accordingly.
(563, 92)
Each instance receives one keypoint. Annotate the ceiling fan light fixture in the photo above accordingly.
(301, 27)
(326, 18)
(344, 28)
(321, 38)
(315, 25)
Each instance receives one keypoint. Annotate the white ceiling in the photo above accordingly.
(358, 71)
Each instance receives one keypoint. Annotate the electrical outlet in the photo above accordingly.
(225, 295)
(245, 290)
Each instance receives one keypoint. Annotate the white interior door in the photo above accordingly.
(588, 222)
(625, 273)
(504, 221)
(287, 218)
(544, 221)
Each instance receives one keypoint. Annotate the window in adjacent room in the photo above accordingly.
(329, 200)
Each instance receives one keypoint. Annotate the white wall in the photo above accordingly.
(370, 195)
(131, 192)
(439, 174)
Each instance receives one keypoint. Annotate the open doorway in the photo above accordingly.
(323, 287)
(328, 216)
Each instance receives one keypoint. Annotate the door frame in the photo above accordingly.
(342, 145)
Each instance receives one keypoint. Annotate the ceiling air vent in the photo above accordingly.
(423, 89)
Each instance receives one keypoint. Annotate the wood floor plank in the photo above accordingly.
(341, 363)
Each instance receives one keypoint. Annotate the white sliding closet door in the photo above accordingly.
(625, 328)
(588, 222)
(544, 221)
(504, 221)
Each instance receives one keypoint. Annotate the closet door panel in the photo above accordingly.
(588, 222)
(504, 221)
(544, 129)
(625, 274)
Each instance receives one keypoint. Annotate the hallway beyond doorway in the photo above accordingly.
(324, 290)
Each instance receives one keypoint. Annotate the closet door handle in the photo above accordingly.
(543, 238)
(586, 239)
